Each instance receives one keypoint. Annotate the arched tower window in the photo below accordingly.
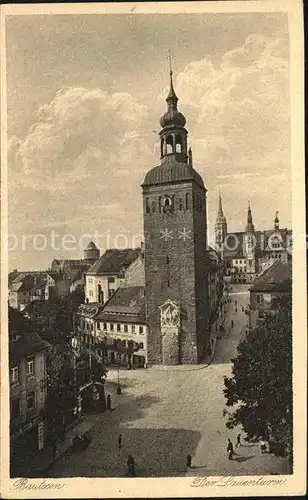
(162, 147)
(173, 201)
(160, 204)
(147, 206)
(178, 144)
(169, 144)
(167, 203)
(187, 200)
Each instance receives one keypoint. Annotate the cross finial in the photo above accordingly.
(170, 61)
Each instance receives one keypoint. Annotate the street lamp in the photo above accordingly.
(119, 388)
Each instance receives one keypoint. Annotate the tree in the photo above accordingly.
(260, 387)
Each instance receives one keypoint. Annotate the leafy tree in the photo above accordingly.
(260, 387)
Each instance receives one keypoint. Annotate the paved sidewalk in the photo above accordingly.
(36, 465)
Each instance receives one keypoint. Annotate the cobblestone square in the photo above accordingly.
(165, 413)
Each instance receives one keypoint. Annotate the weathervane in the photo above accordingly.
(170, 62)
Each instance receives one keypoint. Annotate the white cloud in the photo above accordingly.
(78, 134)
(240, 108)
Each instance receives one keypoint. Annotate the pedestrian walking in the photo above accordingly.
(188, 460)
(263, 446)
(108, 402)
(238, 441)
(120, 441)
(230, 449)
(131, 465)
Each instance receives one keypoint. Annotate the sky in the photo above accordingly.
(85, 95)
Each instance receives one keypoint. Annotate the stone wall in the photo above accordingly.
(175, 268)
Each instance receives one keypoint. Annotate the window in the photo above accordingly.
(168, 283)
(30, 365)
(259, 298)
(141, 345)
(31, 400)
(167, 259)
(140, 329)
(187, 200)
(15, 408)
(118, 327)
(133, 329)
(14, 373)
(105, 326)
(125, 328)
(98, 325)
(111, 279)
(111, 326)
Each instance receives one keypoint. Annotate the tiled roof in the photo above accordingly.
(278, 277)
(171, 171)
(125, 301)
(26, 344)
(114, 260)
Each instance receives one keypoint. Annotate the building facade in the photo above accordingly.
(248, 253)
(28, 392)
(274, 283)
(175, 229)
(116, 330)
(114, 268)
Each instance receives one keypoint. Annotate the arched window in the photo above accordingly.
(181, 207)
(169, 144)
(162, 147)
(160, 204)
(173, 201)
(178, 144)
(187, 199)
(153, 206)
(167, 203)
(147, 206)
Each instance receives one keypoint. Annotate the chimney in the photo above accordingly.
(190, 158)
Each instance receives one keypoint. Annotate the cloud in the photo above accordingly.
(240, 107)
(79, 134)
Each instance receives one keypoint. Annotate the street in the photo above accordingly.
(165, 413)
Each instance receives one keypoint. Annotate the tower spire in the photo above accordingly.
(172, 98)
(276, 221)
(220, 211)
(173, 136)
(249, 225)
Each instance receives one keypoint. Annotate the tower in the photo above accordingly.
(175, 229)
(276, 222)
(220, 229)
(91, 253)
(250, 243)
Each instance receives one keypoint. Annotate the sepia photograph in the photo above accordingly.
(153, 274)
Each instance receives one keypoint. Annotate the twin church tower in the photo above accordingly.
(175, 230)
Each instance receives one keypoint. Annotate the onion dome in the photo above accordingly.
(173, 116)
